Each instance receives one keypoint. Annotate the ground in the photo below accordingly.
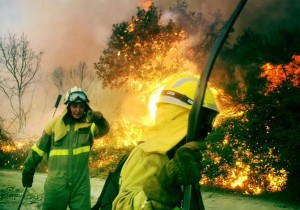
(11, 191)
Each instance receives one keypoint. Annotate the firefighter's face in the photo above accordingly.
(77, 110)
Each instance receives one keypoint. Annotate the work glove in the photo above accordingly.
(164, 189)
(186, 165)
(27, 178)
(94, 116)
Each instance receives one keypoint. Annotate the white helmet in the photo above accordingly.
(76, 94)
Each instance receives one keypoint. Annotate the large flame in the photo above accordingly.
(242, 176)
(277, 74)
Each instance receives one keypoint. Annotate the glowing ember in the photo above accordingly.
(8, 148)
(242, 176)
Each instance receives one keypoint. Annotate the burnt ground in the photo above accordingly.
(11, 191)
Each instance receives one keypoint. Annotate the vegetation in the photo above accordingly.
(265, 134)
(79, 75)
(18, 66)
(146, 49)
(254, 139)
(255, 145)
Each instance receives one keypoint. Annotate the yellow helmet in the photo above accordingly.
(181, 91)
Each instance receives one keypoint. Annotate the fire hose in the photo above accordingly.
(54, 110)
(195, 116)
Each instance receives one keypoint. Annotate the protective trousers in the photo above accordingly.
(59, 196)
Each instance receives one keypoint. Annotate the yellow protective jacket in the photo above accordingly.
(68, 144)
(148, 158)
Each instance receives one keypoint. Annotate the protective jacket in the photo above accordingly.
(67, 142)
(148, 158)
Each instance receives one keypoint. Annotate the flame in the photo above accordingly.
(240, 176)
(153, 99)
(127, 132)
(12, 147)
(277, 74)
(8, 148)
(145, 4)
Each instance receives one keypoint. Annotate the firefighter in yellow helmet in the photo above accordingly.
(154, 172)
(67, 141)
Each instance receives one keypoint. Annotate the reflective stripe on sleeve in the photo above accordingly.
(59, 152)
(80, 150)
(93, 129)
(38, 150)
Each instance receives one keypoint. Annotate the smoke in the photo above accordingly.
(262, 16)
(70, 31)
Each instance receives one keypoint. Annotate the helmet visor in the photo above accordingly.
(77, 97)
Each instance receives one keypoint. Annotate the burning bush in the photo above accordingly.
(14, 152)
(230, 163)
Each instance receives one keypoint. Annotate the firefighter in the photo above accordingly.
(67, 141)
(154, 172)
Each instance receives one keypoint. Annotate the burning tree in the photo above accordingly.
(137, 51)
(263, 137)
(246, 151)
(154, 45)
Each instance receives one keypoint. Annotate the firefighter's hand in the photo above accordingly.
(27, 178)
(185, 167)
(164, 189)
(94, 116)
(160, 191)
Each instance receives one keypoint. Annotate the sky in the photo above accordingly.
(67, 30)
(71, 31)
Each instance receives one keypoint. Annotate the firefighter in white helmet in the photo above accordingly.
(154, 172)
(67, 141)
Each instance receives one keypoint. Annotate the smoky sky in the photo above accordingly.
(70, 31)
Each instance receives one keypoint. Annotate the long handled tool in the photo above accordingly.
(22, 198)
(54, 110)
(56, 105)
(195, 117)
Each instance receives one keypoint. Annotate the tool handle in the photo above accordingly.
(57, 100)
(22, 198)
(195, 116)
(56, 105)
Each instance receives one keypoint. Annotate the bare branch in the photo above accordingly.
(19, 65)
